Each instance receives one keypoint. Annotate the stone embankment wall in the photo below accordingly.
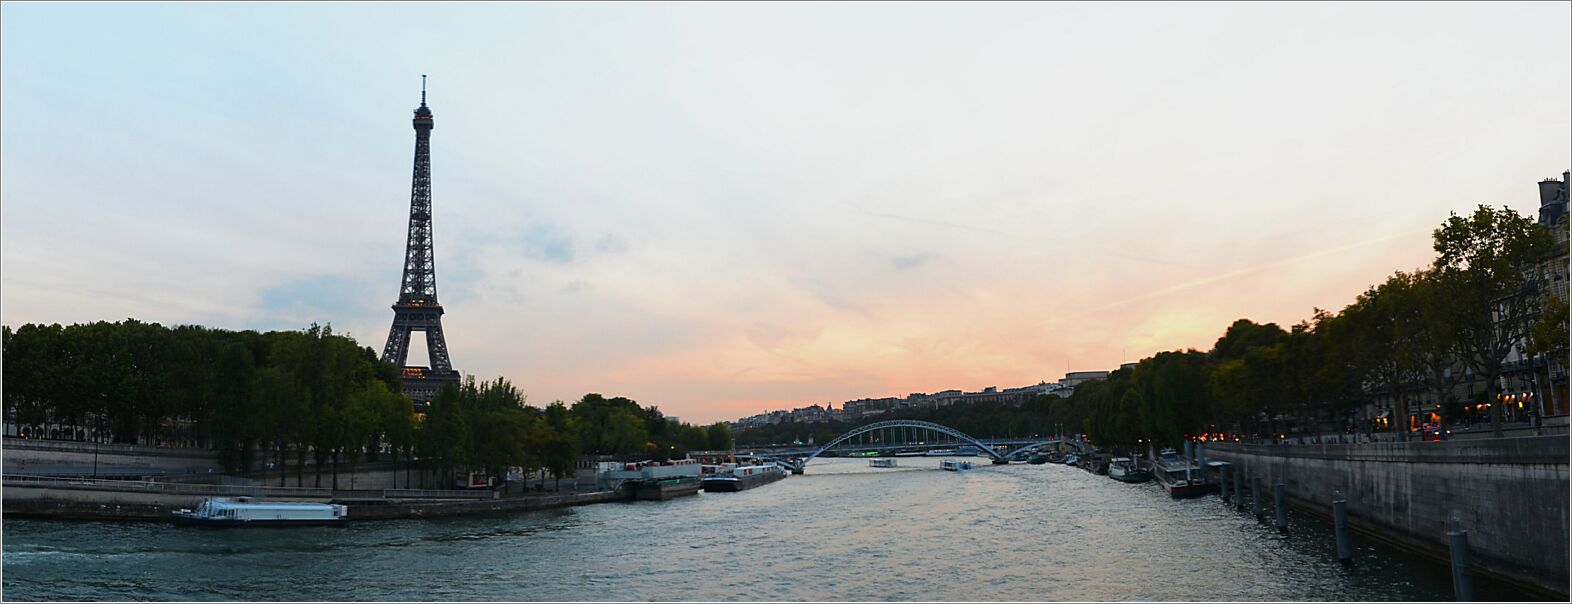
(1511, 494)
(84, 504)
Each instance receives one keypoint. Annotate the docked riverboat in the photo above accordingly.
(743, 478)
(245, 511)
(955, 465)
(1037, 459)
(669, 488)
(1180, 476)
(654, 481)
(1125, 469)
(883, 462)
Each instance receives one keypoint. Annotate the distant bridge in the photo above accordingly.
(901, 435)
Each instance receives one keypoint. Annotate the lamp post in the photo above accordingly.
(98, 430)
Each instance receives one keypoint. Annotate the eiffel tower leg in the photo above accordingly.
(437, 347)
(397, 349)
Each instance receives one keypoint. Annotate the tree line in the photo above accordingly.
(1488, 291)
(282, 398)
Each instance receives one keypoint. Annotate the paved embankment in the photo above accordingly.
(1511, 494)
(62, 457)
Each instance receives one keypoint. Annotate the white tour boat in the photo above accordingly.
(245, 511)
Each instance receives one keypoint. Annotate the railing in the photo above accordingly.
(434, 494)
(75, 446)
(133, 485)
(149, 486)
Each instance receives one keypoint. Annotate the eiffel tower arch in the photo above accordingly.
(417, 308)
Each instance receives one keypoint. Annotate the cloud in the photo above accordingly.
(913, 261)
(545, 242)
(611, 243)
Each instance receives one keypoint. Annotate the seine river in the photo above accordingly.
(844, 531)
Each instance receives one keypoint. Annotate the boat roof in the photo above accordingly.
(1174, 464)
(268, 505)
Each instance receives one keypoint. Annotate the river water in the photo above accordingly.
(843, 531)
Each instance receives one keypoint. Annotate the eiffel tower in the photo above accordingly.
(417, 308)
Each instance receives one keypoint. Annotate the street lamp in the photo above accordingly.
(98, 433)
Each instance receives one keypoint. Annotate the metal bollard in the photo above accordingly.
(1255, 496)
(1239, 488)
(1345, 551)
(1462, 577)
(1282, 510)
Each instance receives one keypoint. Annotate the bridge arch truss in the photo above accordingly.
(900, 424)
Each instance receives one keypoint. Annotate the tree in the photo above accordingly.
(1490, 257)
(1175, 400)
(718, 437)
(1244, 335)
(561, 447)
(397, 417)
(1379, 326)
(1431, 343)
(444, 436)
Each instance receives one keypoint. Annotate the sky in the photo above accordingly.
(722, 209)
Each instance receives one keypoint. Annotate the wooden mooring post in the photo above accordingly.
(1281, 507)
(1462, 577)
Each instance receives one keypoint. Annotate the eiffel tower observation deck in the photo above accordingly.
(417, 308)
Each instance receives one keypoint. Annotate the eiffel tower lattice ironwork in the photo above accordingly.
(417, 308)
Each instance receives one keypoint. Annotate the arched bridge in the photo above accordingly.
(905, 435)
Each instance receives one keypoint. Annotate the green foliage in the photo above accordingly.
(718, 437)
(613, 426)
(1549, 334)
(238, 392)
(1489, 261)
(1245, 335)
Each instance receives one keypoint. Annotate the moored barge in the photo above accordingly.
(1180, 476)
(743, 478)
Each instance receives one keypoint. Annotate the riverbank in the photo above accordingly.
(1510, 494)
(152, 501)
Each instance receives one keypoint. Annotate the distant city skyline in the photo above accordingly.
(726, 209)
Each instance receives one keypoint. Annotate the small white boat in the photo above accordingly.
(245, 511)
(882, 462)
(955, 465)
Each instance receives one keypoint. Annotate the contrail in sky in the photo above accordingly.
(1239, 273)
